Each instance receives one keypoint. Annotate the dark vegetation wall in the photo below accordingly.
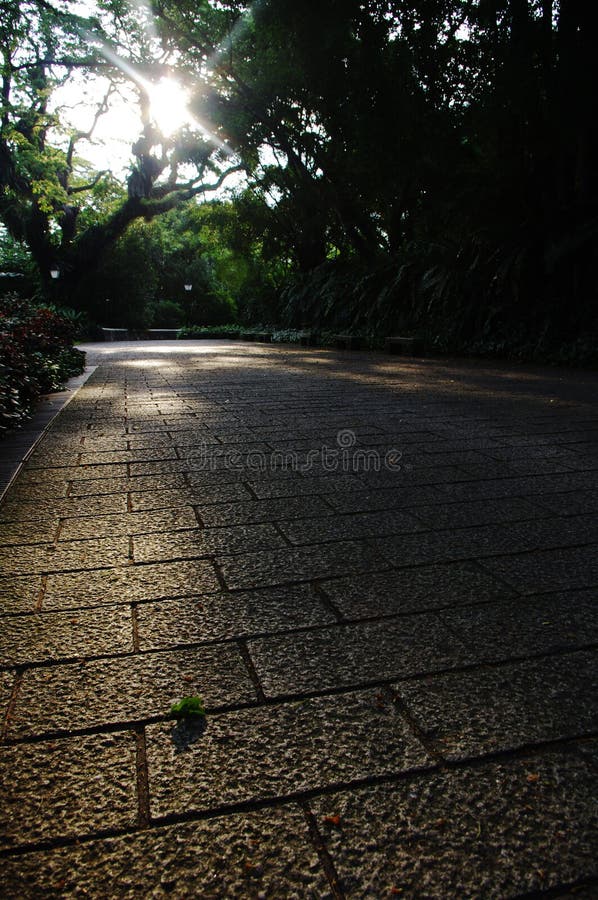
(427, 167)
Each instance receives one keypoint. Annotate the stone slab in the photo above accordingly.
(413, 590)
(134, 688)
(285, 509)
(469, 714)
(6, 685)
(152, 483)
(271, 567)
(189, 620)
(62, 557)
(371, 500)
(528, 626)
(496, 831)
(129, 584)
(19, 595)
(41, 637)
(13, 510)
(277, 751)
(257, 854)
(549, 570)
(29, 532)
(67, 788)
(351, 527)
(208, 493)
(357, 654)
(480, 512)
(85, 527)
(205, 542)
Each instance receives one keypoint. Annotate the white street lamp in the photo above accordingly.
(188, 287)
(55, 272)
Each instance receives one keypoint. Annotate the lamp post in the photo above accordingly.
(54, 272)
(188, 287)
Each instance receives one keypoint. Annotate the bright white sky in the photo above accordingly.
(119, 127)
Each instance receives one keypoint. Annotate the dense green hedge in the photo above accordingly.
(36, 355)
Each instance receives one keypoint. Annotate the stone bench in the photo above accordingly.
(403, 345)
(265, 337)
(161, 334)
(116, 334)
(347, 341)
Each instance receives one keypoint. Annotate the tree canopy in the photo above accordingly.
(431, 164)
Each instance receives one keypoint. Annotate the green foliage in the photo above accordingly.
(210, 331)
(36, 356)
(166, 314)
(188, 708)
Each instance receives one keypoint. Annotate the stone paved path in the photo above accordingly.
(398, 665)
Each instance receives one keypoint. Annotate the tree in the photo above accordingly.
(45, 192)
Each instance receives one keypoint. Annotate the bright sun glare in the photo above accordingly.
(169, 106)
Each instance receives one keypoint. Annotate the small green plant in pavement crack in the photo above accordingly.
(188, 708)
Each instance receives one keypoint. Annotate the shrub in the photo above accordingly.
(36, 356)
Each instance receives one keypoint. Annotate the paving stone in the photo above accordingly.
(129, 584)
(472, 713)
(65, 556)
(270, 567)
(6, 685)
(84, 527)
(94, 458)
(299, 486)
(370, 500)
(67, 788)
(573, 503)
(50, 636)
(208, 493)
(525, 486)
(115, 691)
(264, 510)
(29, 532)
(205, 541)
(359, 525)
(55, 489)
(522, 627)
(257, 854)
(277, 751)
(153, 483)
(549, 570)
(413, 590)
(68, 472)
(496, 831)
(218, 616)
(407, 476)
(534, 535)
(480, 512)
(18, 595)
(86, 506)
(356, 654)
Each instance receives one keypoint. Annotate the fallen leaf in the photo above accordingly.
(332, 820)
(533, 777)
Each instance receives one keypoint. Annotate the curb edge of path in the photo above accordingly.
(16, 448)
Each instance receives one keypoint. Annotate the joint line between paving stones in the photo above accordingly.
(142, 775)
(40, 597)
(16, 686)
(255, 679)
(406, 714)
(326, 601)
(300, 797)
(135, 627)
(323, 854)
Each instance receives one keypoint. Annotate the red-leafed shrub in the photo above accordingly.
(36, 355)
